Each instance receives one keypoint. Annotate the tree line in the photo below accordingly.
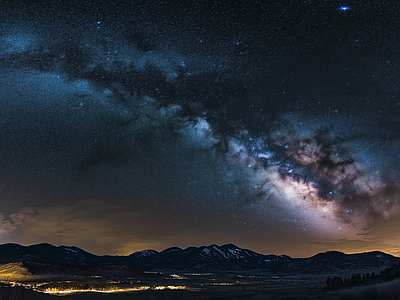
(356, 279)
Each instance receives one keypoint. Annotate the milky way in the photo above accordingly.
(265, 127)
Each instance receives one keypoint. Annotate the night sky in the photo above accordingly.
(133, 125)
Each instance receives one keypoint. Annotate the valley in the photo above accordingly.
(45, 271)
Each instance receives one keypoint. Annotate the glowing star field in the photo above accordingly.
(128, 126)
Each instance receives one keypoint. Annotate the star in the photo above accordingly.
(344, 8)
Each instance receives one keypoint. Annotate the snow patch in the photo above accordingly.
(72, 250)
(236, 252)
(144, 253)
(206, 250)
(220, 251)
(172, 250)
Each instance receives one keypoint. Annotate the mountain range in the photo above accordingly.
(46, 258)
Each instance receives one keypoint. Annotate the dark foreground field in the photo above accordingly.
(153, 286)
(191, 286)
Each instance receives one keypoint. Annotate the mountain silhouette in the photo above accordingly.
(42, 258)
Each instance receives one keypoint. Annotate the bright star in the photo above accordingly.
(344, 8)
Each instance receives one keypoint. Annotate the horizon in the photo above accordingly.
(136, 125)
